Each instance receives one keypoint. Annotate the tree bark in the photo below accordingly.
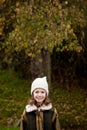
(41, 66)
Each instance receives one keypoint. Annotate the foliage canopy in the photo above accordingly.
(45, 26)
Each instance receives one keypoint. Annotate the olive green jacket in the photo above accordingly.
(44, 119)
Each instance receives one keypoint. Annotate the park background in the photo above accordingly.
(44, 38)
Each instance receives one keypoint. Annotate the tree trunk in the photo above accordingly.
(41, 66)
(46, 65)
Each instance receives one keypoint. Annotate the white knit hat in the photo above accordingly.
(40, 83)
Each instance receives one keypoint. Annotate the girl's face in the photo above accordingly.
(39, 95)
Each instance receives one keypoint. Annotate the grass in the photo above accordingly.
(72, 107)
(14, 93)
(9, 128)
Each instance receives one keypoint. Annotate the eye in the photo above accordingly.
(36, 91)
(42, 92)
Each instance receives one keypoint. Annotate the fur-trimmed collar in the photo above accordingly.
(30, 108)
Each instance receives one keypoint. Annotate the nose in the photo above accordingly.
(39, 94)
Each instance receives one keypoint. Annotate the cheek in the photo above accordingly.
(44, 95)
(34, 95)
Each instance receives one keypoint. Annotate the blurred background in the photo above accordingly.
(44, 38)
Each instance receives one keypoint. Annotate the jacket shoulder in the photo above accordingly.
(55, 114)
(54, 109)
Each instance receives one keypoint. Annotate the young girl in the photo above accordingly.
(39, 114)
